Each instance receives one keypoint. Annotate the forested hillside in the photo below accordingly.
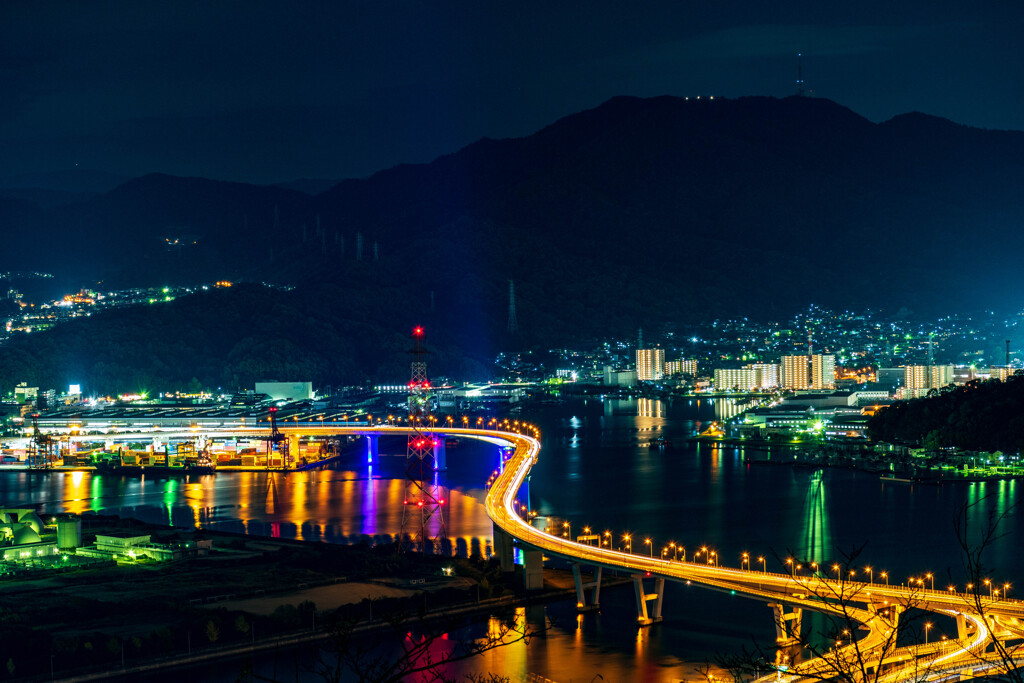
(980, 416)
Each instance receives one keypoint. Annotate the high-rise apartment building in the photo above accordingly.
(803, 372)
(918, 380)
(683, 365)
(823, 372)
(766, 375)
(650, 364)
(734, 379)
(795, 372)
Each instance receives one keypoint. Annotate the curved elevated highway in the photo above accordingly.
(876, 656)
(982, 623)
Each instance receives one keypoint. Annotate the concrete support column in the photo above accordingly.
(581, 596)
(787, 626)
(440, 453)
(503, 549)
(372, 448)
(961, 627)
(533, 569)
(644, 616)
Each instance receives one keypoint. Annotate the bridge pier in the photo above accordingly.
(503, 549)
(787, 626)
(961, 627)
(440, 453)
(643, 616)
(533, 569)
(581, 596)
(372, 449)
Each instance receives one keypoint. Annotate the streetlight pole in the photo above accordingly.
(764, 565)
(651, 544)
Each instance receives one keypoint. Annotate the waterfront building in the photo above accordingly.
(734, 379)
(619, 378)
(808, 372)
(766, 375)
(752, 377)
(650, 364)
(682, 366)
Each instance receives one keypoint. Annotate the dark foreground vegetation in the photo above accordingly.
(979, 416)
(106, 619)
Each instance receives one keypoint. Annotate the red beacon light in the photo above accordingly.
(417, 331)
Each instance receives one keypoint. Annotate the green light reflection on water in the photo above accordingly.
(816, 535)
(170, 495)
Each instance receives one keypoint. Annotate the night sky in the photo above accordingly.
(271, 91)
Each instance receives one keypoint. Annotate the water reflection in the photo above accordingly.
(337, 506)
(816, 538)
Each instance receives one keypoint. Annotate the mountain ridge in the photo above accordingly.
(639, 212)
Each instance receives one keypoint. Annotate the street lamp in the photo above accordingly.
(627, 539)
(648, 542)
(745, 558)
(568, 529)
(608, 538)
(930, 579)
(764, 565)
(927, 626)
(885, 575)
(835, 568)
(871, 576)
(988, 583)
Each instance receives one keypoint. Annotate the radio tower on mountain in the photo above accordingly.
(800, 74)
(423, 515)
(513, 324)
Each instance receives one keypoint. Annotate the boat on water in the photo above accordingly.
(660, 443)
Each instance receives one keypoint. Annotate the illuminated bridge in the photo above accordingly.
(986, 625)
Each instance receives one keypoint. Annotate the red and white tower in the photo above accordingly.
(423, 518)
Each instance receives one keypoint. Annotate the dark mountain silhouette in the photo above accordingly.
(635, 213)
(72, 180)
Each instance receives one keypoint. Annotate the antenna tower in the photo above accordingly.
(800, 74)
(1007, 353)
(423, 523)
(931, 350)
(513, 324)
